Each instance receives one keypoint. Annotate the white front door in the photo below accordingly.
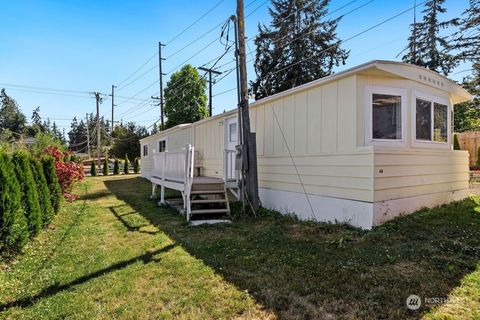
(231, 140)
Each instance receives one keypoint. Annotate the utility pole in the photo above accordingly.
(210, 83)
(161, 74)
(113, 106)
(88, 135)
(249, 139)
(98, 100)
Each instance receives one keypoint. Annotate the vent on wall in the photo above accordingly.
(430, 80)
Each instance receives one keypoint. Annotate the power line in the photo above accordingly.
(195, 22)
(140, 68)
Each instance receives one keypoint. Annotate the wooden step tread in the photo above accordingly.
(206, 191)
(203, 211)
(208, 201)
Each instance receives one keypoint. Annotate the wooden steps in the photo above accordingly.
(207, 201)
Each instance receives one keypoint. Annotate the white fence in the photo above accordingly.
(229, 172)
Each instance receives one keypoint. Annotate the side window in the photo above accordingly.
(232, 132)
(431, 121)
(162, 146)
(145, 150)
(386, 117)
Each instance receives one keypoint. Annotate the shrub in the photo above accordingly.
(105, 167)
(93, 169)
(13, 223)
(136, 166)
(67, 172)
(116, 167)
(48, 163)
(456, 143)
(28, 187)
(43, 191)
(125, 165)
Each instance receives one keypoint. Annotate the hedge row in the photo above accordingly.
(29, 196)
(116, 167)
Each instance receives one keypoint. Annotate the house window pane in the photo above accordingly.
(162, 146)
(145, 150)
(386, 116)
(440, 122)
(232, 132)
(424, 121)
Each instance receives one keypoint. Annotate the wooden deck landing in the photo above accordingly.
(207, 180)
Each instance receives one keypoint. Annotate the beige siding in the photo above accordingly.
(408, 173)
(209, 142)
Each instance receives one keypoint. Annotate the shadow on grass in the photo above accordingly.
(127, 224)
(56, 288)
(312, 270)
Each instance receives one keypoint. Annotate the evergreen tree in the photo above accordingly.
(105, 167)
(116, 167)
(467, 39)
(125, 165)
(43, 191)
(48, 164)
(13, 223)
(426, 47)
(136, 165)
(299, 46)
(467, 114)
(28, 187)
(185, 98)
(127, 140)
(154, 129)
(93, 169)
(11, 117)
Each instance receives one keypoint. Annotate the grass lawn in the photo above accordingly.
(115, 254)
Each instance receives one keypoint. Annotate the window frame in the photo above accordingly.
(166, 144)
(394, 91)
(432, 99)
(144, 148)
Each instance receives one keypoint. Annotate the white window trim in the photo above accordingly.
(143, 150)
(369, 91)
(166, 143)
(432, 99)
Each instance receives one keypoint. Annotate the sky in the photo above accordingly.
(85, 46)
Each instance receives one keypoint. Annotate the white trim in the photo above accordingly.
(432, 99)
(326, 209)
(384, 211)
(369, 92)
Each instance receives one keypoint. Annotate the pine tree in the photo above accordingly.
(48, 164)
(93, 169)
(28, 187)
(13, 223)
(11, 117)
(105, 168)
(43, 191)
(125, 165)
(136, 165)
(116, 167)
(299, 46)
(426, 47)
(467, 39)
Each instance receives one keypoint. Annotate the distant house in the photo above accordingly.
(361, 146)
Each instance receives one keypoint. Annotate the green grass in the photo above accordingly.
(115, 254)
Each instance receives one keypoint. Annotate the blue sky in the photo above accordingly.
(90, 45)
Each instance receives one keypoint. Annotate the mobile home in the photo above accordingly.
(361, 146)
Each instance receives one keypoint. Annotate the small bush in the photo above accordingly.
(136, 166)
(48, 163)
(93, 169)
(105, 167)
(116, 167)
(125, 165)
(13, 223)
(28, 187)
(43, 191)
(456, 143)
